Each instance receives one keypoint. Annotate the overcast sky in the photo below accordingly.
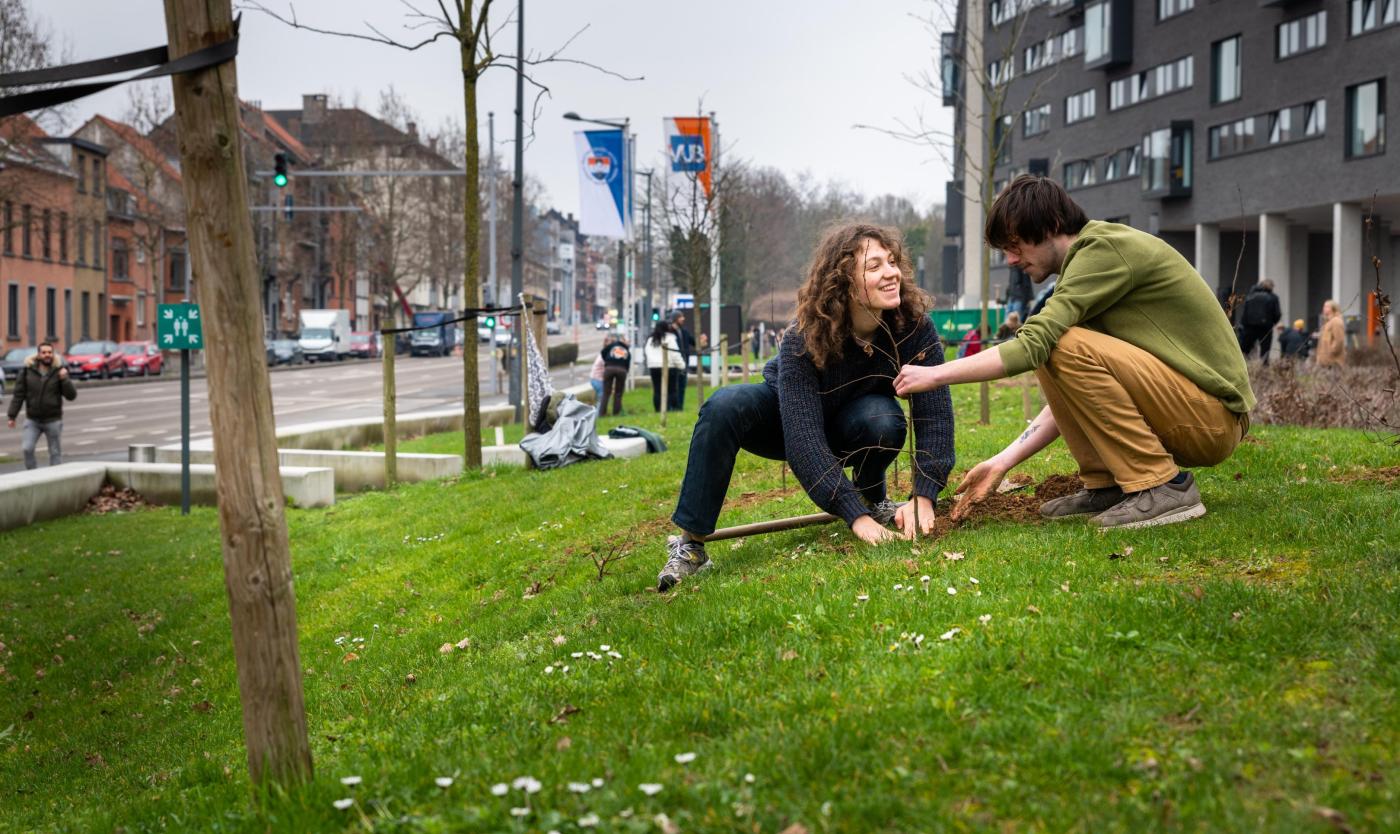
(787, 79)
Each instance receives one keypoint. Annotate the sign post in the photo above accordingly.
(178, 327)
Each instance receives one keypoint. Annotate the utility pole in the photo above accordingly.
(517, 216)
(714, 263)
(253, 526)
(492, 279)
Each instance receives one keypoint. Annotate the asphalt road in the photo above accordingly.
(104, 420)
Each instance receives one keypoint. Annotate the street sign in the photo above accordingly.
(178, 327)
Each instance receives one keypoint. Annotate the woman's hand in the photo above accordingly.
(915, 379)
(977, 484)
(871, 531)
(904, 517)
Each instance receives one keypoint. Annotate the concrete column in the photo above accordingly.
(1273, 257)
(1208, 254)
(1348, 250)
(1296, 305)
(974, 165)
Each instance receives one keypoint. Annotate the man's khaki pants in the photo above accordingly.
(1127, 417)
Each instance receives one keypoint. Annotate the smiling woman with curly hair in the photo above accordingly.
(827, 402)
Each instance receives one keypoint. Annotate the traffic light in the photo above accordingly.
(656, 314)
(491, 322)
(279, 170)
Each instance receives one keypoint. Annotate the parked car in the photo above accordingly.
(143, 358)
(553, 327)
(364, 344)
(286, 352)
(11, 364)
(95, 360)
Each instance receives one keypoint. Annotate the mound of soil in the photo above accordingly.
(1388, 475)
(113, 500)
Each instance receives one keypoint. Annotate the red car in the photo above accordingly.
(95, 360)
(143, 358)
(364, 344)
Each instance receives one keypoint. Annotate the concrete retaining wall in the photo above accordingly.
(354, 471)
(51, 492)
(304, 486)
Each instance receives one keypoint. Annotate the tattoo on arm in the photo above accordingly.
(1027, 433)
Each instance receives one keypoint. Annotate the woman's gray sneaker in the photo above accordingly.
(1165, 504)
(683, 559)
(1083, 502)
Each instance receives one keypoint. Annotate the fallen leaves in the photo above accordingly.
(562, 716)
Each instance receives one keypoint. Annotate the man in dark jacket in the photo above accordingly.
(1261, 313)
(42, 387)
(617, 361)
(1293, 344)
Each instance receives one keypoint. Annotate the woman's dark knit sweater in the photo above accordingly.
(808, 397)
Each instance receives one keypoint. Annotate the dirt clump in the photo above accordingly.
(113, 500)
(1388, 475)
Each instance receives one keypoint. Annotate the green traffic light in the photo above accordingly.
(491, 321)
(280, 180)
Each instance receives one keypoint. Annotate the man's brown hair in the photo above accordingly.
(1031, 209)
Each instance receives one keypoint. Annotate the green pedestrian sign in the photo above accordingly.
(178, 327)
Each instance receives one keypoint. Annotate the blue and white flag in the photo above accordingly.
(604, 203)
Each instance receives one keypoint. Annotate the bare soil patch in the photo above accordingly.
(113, 500)
(1388, 475)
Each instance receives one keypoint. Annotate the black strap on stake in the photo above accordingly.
(158, 57)
(466, 315)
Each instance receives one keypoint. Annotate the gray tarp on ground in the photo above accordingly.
(573, 438)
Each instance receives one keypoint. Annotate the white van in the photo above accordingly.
(325, 335)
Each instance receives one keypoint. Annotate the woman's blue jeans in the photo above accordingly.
(747, 417)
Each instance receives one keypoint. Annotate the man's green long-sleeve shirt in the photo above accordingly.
(1134, 286)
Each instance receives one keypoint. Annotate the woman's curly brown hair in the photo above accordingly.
(823, 302)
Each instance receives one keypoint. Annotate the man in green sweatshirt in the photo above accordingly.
(1141, 371)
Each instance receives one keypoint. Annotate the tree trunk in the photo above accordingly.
(257, 557)
(471, 276)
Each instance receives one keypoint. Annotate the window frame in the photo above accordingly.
(1301, 24)
(1217, 96)
(1352, 92)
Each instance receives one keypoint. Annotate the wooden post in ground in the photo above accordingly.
(523, 362)
(723, 360)
(252, 523)
(391, 419)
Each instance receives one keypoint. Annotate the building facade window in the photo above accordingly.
(1037, 55)
(12, 312)
(1366, 119)
(50, 314)
(85, 314)
(9, 221)
(1232, 138)
(98, 247)
(1160, 80)
(1097, 23)
(1166, 161)
(26, 227)
(1225, 70)
(63, 236)
(1367, 15)
(120, 261)
(82, 242)
(46, 242)
(1302, 35)
(1071, 41)
(1172, 8)
(67, 317)
(82, 174)
(1080, 106)
(1122, 164)
(1079, 173)
(141, 308)
(177, 271)
(1000, 72)
(1035, 120)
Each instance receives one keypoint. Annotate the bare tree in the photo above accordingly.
(27, 43)
(148, 105)
(467, 24)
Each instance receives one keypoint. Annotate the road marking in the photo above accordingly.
(85, 443)
(109, 419)
(174, 437)
(124, 437)
(91, 429)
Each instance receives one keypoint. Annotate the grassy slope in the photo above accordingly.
(1234, 673)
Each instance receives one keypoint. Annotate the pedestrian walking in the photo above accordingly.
(617, 361)
(827, 403)
(755, 341)
(1261, 314)
(1332, 344)
(41, 388)
(1133, 403)
(663, 350)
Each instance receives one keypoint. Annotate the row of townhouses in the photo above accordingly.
(92, 228)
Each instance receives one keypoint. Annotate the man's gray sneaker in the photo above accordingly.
(883, 511)
(1165, 504)
(683, 559)
(1083, 502)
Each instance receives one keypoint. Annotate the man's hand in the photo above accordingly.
(871, 531)
(976, 485)
(904, 517)
(12, 424)
(62, 373)
(915, 379)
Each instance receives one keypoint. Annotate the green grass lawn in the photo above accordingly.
(1237, 673)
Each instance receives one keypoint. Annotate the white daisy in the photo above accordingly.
(342, 804)
(650, 788)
